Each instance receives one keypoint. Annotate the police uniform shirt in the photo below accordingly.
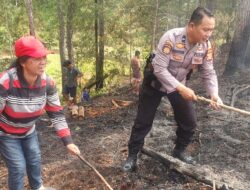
(175, 57)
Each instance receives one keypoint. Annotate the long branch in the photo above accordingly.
(95, 170)
(200, 98)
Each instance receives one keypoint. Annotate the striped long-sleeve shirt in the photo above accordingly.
(21, 105)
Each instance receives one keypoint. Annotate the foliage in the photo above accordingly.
(128, 27)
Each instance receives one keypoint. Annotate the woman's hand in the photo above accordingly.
(73, 149)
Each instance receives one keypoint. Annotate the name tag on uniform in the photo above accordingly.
(198, 55)
(197, 60)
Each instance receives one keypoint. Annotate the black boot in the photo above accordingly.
(130, 163)
(182, 154)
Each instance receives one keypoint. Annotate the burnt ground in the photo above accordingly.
(221, 143)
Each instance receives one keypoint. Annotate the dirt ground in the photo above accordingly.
(222, 144)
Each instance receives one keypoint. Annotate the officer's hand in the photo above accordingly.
(186, 93)
(216, 102)
(73, 149)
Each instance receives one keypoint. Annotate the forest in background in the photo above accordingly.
(100, 36)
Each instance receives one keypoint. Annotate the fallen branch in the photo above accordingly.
(200, 98)
(95, 170)
(115, 104)
(122, 102)
(91, 84)
(236, 92)
(198, 172)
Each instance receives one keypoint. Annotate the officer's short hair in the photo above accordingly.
(198, 15)
(137, 53)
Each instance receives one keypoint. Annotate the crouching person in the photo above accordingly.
(179, 52)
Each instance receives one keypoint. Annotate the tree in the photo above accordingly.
(61, 37)
(69, 29)
(99, 28)
(155, 26)
(238, 51)
(96, 37)
(211, 4)
(28, 4)
(129, 25)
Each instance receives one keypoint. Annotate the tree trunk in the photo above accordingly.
(69, 27)
(153, 44)
(8, 25)
(247, 55)
(187, 12)
(199, 3)
(203, 174)
(28, 4)
(237, 53)
(61, 37)
(96, 36)
(210, 4)
(99, 66)
(179, 14)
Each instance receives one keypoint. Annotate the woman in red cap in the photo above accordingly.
(25, 92)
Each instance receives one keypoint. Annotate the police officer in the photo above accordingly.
(179, 51)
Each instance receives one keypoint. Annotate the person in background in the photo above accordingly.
(179, 52)
(85, 95)
(70, 86)
(136, 69)
(25, 92)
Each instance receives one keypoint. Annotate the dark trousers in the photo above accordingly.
(149, 100)
(70, 91)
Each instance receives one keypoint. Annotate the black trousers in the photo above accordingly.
(149, 100)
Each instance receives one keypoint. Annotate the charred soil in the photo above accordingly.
(221, 143)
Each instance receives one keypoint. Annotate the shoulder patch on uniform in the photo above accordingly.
(167, 47)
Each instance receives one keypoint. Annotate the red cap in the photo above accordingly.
(30, 46)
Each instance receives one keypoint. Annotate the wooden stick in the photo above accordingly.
(95, 170)
(122, 102)
(115, 104)
(200, 98)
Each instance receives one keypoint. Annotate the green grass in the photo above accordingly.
(53, 69)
